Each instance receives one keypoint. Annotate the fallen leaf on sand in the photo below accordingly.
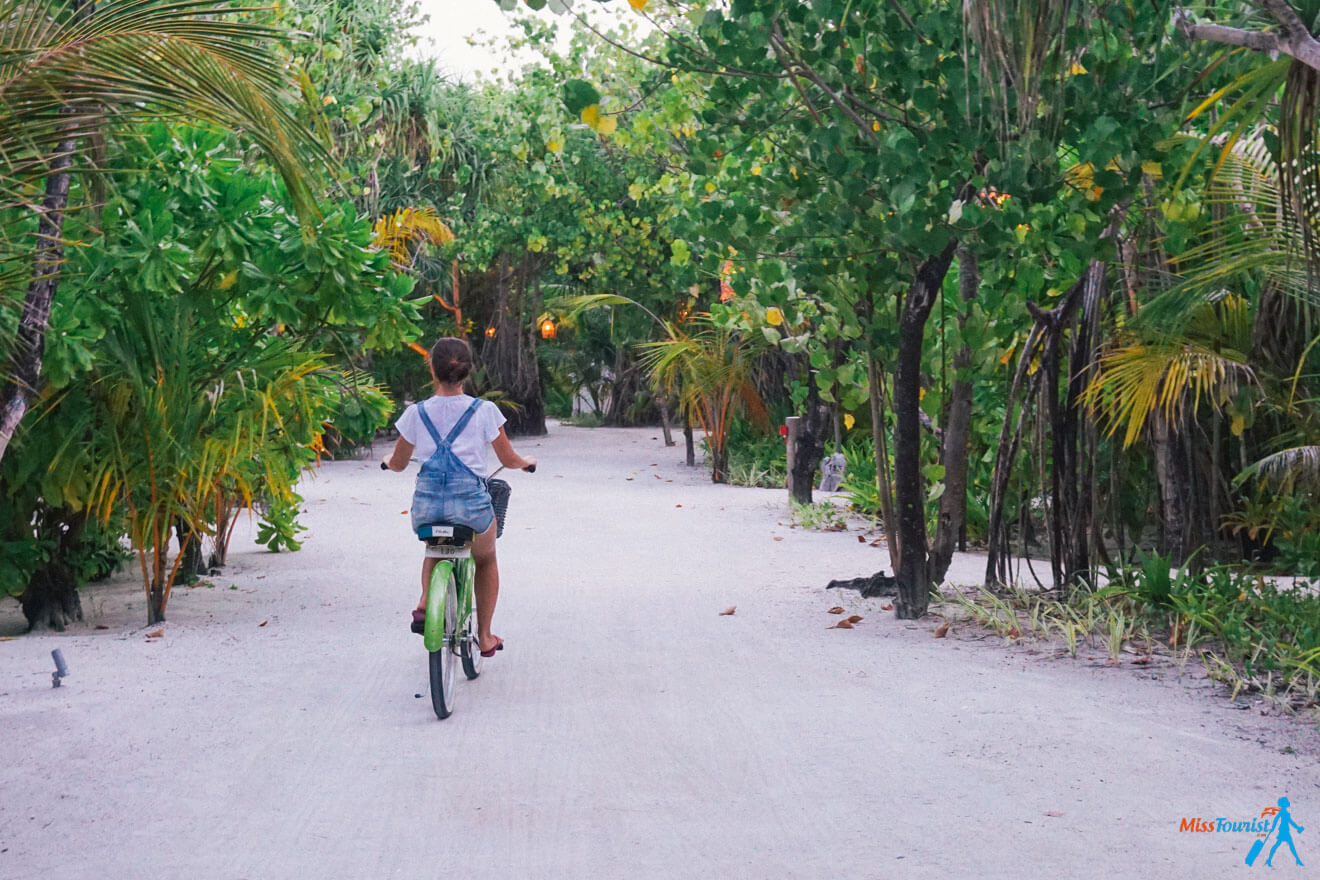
(842, 624)
(856, 618)
(263, 623)
(778, 538)
(1142, 661)
(102, 626)
(628, 478)
(942, 630)
(403, 513)
(837, 609)
(727, 611)
(155, 634)
(678, 505)
(657, 476)
(889, 607)
(861, 539)
(1055, 813)
(1014, 633)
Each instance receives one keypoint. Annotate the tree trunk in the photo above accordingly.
(51, 598)
(957, 433)
(689, 443)
(24, 374)
(875, 382)
(1174, 482)
(913, 576)
(809, 443)
(666, 422)
(510, 356)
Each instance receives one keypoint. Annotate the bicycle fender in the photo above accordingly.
(434, 634)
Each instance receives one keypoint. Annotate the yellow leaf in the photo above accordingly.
(229, 279)
(1154, 169)
(635, 192)
(328, 100)
(756, 170)
(639, 5)
(848, 421)
(875, 126)
(607, 125)
(1021, 231)
(710, 187)
(1238, 426)
(774, 316)
(554, 146)
(1077, 69)
(591, 116)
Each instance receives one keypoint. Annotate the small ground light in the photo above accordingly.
(490, 332)
(548, 329)
(61, 668)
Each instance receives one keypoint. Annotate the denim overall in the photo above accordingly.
(448, 491)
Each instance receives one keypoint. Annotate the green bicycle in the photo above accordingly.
(450, 630)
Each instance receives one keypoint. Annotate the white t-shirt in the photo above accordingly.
(444, 412)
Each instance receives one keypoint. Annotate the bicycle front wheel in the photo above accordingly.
(442, 660)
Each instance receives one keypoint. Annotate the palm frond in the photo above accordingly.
(63, 77)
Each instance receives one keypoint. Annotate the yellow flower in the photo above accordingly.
(848, 421)
(756, 170)
(774, 316)
(554, 146)
(639, 5)
(710, 187)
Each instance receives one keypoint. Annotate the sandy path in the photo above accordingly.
(628, 730)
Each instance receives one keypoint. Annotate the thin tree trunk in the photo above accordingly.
(913, 575)
(810, 443)
(957, 434)
(689, 443)
(666, 421)
(24, 374)
(877, 396)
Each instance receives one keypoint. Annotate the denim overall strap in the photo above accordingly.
(463, 420)
(458, 428)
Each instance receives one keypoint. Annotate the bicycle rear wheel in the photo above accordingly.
(442, 660)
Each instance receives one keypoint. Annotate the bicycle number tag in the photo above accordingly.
(436, 532)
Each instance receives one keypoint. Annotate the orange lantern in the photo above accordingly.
(548, 329)
(490, 332)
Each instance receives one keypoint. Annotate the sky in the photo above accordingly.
(453, 22)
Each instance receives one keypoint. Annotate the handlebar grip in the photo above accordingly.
(532, 469)
(384, 465)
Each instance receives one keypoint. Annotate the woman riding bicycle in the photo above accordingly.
(449, 433)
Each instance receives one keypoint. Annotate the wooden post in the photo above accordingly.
(793, 423)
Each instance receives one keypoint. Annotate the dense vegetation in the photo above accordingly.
(1043, 273)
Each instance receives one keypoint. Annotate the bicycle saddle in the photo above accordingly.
(446, 535)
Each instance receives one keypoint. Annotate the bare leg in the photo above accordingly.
(428, 566)
(487, 586)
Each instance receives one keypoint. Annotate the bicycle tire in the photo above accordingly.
(469, 646)
(442, 661)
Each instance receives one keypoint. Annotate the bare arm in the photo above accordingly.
(510, 459)
(398, 459)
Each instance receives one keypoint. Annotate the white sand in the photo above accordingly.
(628, 730)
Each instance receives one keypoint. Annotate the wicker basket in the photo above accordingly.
(499, 498)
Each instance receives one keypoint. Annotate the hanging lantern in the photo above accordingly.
(548, 329)
(490, 332)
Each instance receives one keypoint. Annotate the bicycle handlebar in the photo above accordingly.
(384, 465)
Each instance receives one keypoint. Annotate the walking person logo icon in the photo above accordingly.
(1282, 831)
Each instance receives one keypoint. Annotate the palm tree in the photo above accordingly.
(69, 70)
(712, 370)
